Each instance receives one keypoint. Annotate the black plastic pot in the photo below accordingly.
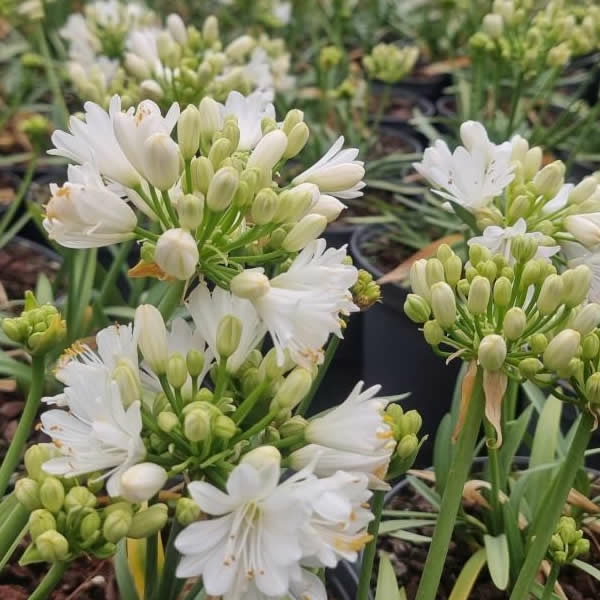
(343, 581)
(396, 355)
(431, 87)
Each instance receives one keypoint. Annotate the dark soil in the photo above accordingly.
(387, 143)
(399, 108)
(408, 561)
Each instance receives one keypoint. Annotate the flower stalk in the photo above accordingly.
(368, 557)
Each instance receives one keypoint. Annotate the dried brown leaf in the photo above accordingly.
(494, 386)
(468, 384)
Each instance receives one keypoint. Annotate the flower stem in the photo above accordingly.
(172, 299)
(15, 450)
(551, 507)
(151, 566)
(368, 558)
(551, 582)
(514, 103)
(50, 581)
(168, 582)
(452, 497)
(494, 468)
(256, 428)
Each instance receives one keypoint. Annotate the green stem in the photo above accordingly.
(13, 523)
(329, 354)
(514, 102)
(168, 581)
(167, 200)
(188, 176)
(112, 274)
(14, 205)
(172, 299)
(551, 507)
(50, 581)
(452, 497)
(15, 450)
(151, 566)
(256, 428)
(551, 582)
(248, 403)
(368, 558)
(494, 469)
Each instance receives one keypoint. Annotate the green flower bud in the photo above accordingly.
(297, 139)
(583, 190)
(292, 118)
(582, 547)
(202, 174)
(573, 368)
(479, 295)
(176, 371)
(294, 426)
(462, 288)
(224, 427)
(188, 131)
(523, 248)
(407, 446)
(190, 209)
(293, 390)
(229, 333)
(551, 295)
(434, 271)
(576, 283)
(116, 525)
(488, 269)
(556, 542)
(444, 252)
(567, 529)
(27, 492)
(433, 333)
(40, 521)
(418, 279)
(514, 324)
(52, 546)
(519, 208)
(167, 421)
(79, 496)
(309, 228)
(128, 381)
(561, 349)
(550, 179)
(149, 521)
(478, 254)
(443, 304)
(530, 367)
(222, 188)
(531, 274)
(197, 425)
(532, 162)
(186, 511)
(492, 352)
(590, 347)
(231, 132)
(453, 270)
(365, 292)
(592, 389)
(90, 525)
(52, 494)
(269, 367)
(587, 319)
(194, 362)
(538, 343)
(416, 308)
(408, 423)
(210, 30)
(264, 206)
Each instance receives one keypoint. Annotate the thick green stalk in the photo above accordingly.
(13, 524)
(368, 558)
(172, 299)
(551, 582)
(151, 566)
(551, 508)
(495, 478)
(452, 498)
(15, 450)
(50, 581)
(168, 582)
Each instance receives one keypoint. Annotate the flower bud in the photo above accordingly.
(587, 319)
(90, 525)
(434, 271)
(519, 208)
(433, 333)
(202, 174)
(418, 279)
(549, 180)
(453, 269)
(479, 295)
(407, 446)
(222, 189)
(27, 492)
(190, 209)
(220, 150)
(293, 427)
(561, 349)
(129, 384)
(269, 150)
(137, 66)
(492, 352)
(583, 190)
(408, 423)
(79, 497)
(576, 284)
(296, 140)
(229, 333)
(177, 371)
(210, 30)
(151, 89)
(152, 337)
(250, 284)
(478, 254)
(532, 273)
(149, 521)
(142, 481)
(329, 207)
(176, 28)
(240, 47)
(188, 131)
(585, 228)
(224, 427)
(493, 25)
(264, 206)
(52, 546)
(443, 304)
(39, 522)
(167, 421)
(416, 308)
(209, 113)
(196, 426)
(502, 291)
(116, 525)
(296, 203)
(592, 389)
(514, 323)
(523, 248)
(532, 162)
(530, 367)
(590, 346)
(177, 253)
(186, 511)
(52, 494)
(195, 361)
(551, 294)
(293, 390)
(309, 228)
(538, 343)
(261, 457)
(161, 161)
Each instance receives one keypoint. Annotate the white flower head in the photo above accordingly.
(84, 213)
(578, 255)
(337, 173)
(473, 174)
(585, 228)
(93, 141)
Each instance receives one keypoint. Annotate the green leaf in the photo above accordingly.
(498, 559)
(514, 537)
(391, 526)
(409, 536)
(125, 582)
(587, 568)
(465, 216)
(13, 368)
(430, 495)
(43, 290)
(468, 576)
(387, 586)
(513, 438)
(443, 452)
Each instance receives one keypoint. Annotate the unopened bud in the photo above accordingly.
(407, 446)
(224, 427)
(434, 271)
(202, 173)
(152, 337)
(523, 248)
(502, 291)
(142, 481)
(293, 390)
(530, 367)
(190, 209)
(250, 284)
(52, 494)
(433, 333)
(531, 275)
(418, 279)
(297, 139)
(196, 426)
(561, 349)
(549, 180)
(27, 492)
(264, 206)
(116, 525)
(551, 294)
(294, 426)
(532, 162)
(538, 343)
(40, 521)
(177, 253)
(222, 189)
(514, 324)
(262, 456)
(453, 269)
(161, 161)
(479, 295)
(149, 521)
(269, 151)
(583, 190)
(188, 131)
(416, 308)
(592, 389)
(79, 497)
(587, 319)
(309, 228)
(210, 30)
(229, 333)
(492, 352)
(186, 511)
(52, 546)
(576, 283)
(443, 304)
(590, 346)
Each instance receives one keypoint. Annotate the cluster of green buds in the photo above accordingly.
(567, 542)
(67, 519)
(330, 57)
(405, 427)
(366, 291)
(390, 63)
(39, 327)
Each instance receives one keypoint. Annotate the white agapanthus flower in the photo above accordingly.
(92, 140)
(578, 255)
(352, 437)
(473, 174)
(559, 201)
(337, 173)
(209, 308)
(97, 433)
(499, 240)
(84, 213)
(302, 306)
(585, 228)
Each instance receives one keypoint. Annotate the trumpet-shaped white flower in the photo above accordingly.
(252, 546)
(208, 309)
(578, 255)
(93, 141)
(560, 200)
(328, 206)
(472, 175)
(337, 173)
(499, 240)
(97, 433)
(585, 228)
(302, 306)
(84, 213)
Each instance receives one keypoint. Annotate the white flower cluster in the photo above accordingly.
(512, 195)
(117, 48)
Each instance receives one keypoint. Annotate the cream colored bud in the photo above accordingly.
(261, 457)
(492, 352)
(453, 269)
(40, 521)
(202, 173)
(479, 295)
(587, 319)
(210, 117)
(229, 334)
(309, 228)
(434, 271)
(550, 179)
(551, 294)
(176, 371)
(520, 146)
(561, 349)
(250, 284)
(493, 25)
(443, 304)
(269, 151)
(151, 89)
(576, 285)
(222, 189)
(161, 161)
(297, 139)
(196, 425)
(188, 131)
(52, 494)
(264, 206)
(240, 47)
(129, 383)
(152, 337)
(190, 209)
(583, 190)
(585, 228)
(142, 481)
(177, 253)
(532, 162)
(27, 492)
(137, 66)
(177, 28)
(502, 291)
(224, 427)
(186, 511)
(210, 30)
(167, 421)
(293, 390)
(592, 389)
(514, 323)
(418, 279)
